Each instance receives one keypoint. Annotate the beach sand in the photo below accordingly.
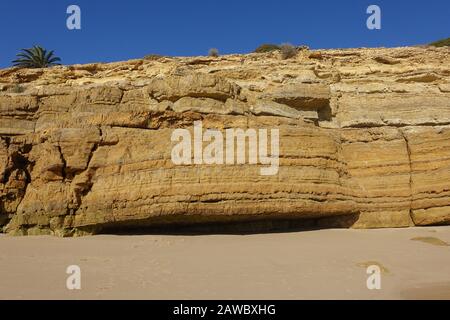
(319, 264)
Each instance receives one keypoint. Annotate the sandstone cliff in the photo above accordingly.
(364, 141)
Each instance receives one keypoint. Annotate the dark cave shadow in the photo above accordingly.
(264, 226)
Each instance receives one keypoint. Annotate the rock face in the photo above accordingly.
(364, 140)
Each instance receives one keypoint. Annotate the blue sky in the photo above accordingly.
(121, 30)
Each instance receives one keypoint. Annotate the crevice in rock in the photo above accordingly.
(304, 103)
(7, 140)
(19, 163)
(408, 151)
(26, 148)
(64, 168)
(325, 113)
(394, 125)
(85, 187)
(95, 147)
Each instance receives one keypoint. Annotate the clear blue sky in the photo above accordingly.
(119, 30)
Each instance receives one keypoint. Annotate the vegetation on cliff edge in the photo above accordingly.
(36, 57)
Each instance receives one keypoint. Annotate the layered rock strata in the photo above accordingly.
(364, 141)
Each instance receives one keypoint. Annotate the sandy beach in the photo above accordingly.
(320, 264)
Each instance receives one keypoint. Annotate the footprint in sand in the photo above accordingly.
(431, 240)
(366, 264)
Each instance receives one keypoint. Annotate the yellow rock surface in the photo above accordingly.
(364, 141)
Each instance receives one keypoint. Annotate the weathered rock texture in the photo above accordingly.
(364, 141)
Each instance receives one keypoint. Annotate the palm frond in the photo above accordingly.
(36, 57)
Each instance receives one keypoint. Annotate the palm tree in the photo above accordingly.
(36, 57)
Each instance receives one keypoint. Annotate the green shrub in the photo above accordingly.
(153, 57)
(213, 52)
(267, 47)
(288, 51)
(441, 43)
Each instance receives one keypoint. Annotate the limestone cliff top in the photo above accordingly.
(255, 71)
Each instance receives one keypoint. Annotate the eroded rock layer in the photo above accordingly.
(364, 141)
